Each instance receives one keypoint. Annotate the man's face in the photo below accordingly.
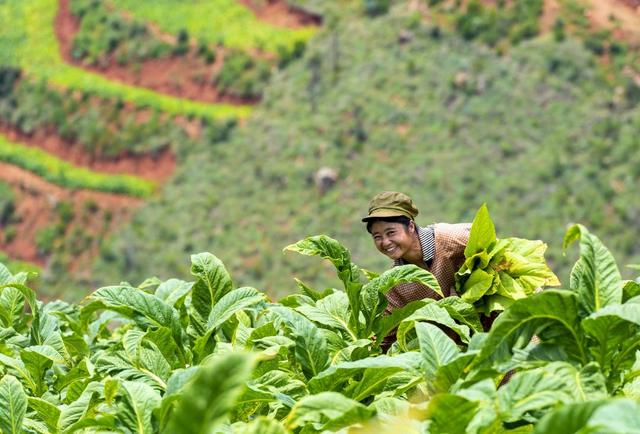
(392, 239)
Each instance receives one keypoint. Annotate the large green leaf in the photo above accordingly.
(610, 326)
(262, 425)
(234, 301)
(450, 414)
(19, 367)
(210, 395)
(78, 413)
(331, 311)
(533, 391)
(328, 248)
(483, 233)
(364, 377)
(173, 291)
(327, 411)
(311, 348)
(373, 300)
(436, 347)
(11, 307)
(553, 313)
(431, 312)
(145, 309)
(614, 416)
(46, 411)
(595, 277)
(13, 405)
(138, 403)
(213, 282)
(386, 323)
(38, 359)
(30, 296)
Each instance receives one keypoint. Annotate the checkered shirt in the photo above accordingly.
(443, 247)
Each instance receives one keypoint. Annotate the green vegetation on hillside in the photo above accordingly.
(64, 174)
(101, 126)
(535, 133)
(104, 33)
(225, 22)
(27, 40)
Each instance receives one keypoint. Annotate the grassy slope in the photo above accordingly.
(532, 134)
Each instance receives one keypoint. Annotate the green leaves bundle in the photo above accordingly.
(497, 272)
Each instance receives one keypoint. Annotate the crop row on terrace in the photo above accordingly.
(29, 42)
(225, 22)
(66, 175)
(206, 357)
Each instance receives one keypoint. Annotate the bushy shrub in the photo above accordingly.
(376, 7)
(104, 33)
(241, 75)
(7, 203)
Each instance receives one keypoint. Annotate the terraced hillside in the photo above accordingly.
(98, 105)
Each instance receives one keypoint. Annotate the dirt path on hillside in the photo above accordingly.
(153, 167)
(622, 16)
(35, 201)
(281, 14)
(604, 14)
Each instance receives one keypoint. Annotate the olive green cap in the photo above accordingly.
(391, 204)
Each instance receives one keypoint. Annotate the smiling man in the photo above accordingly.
(437, 248)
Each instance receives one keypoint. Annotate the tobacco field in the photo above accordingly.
(204, 356)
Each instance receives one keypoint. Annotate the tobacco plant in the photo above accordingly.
(204, 356)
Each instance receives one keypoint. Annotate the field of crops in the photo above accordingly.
(34, 47)
(64, 174)
(204, 356)
(219, 21)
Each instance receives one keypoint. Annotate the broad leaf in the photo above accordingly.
(373, 300)
(311, 348)
(348, 272)
(138, 403)
(595, 277)
(431, 312)
(262, 425)
(234, 301)
(450, 414)
(13, 405)
(367, 374)
(552, 312)
(327, 411)
(614, 416)
(483, 233)
(46, 411)
(210, 394)
(436, 347)
(212, 284)
(610, 327)
(145, 309)
(533, 391)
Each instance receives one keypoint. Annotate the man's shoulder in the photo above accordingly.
(452, 228)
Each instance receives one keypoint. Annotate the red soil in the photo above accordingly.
(154, 167)
(35, 201)
(279, 13)
(620, 16)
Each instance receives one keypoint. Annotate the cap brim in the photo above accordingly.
(385, 213)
